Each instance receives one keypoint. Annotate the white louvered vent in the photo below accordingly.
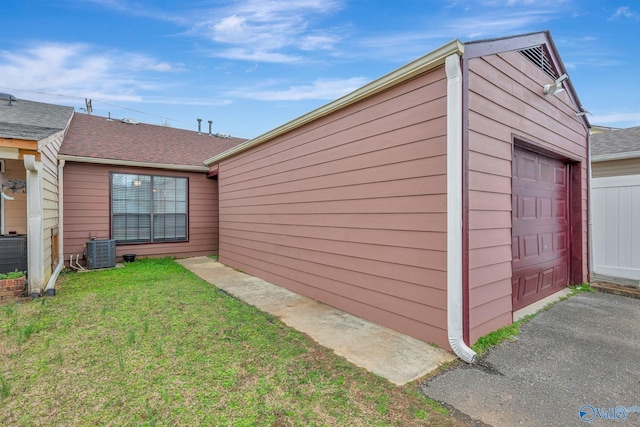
(540, 57)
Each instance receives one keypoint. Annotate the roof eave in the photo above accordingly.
(419, 66)
(479, 48)
(116, 162)
(615, 156)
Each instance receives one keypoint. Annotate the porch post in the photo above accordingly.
(35, 227)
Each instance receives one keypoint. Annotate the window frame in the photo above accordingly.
(152, 214)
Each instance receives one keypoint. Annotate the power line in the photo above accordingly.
(97, 100)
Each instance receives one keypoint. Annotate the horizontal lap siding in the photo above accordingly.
(505, 100)
(350, 209)
(49, 171)
(616, 168)
(15, 211)
(86, 211)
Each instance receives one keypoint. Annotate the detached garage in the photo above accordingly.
(435, 200)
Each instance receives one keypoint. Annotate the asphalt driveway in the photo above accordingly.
(576, 364)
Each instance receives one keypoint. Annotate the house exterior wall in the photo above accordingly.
(350, 209)
(505, 100)
(87, 211)
(15, 211)
(615, 168)
(49, 171)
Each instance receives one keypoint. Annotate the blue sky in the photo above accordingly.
(252, 65)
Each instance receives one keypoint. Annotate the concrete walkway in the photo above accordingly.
(387, 353)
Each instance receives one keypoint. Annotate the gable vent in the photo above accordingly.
(540, 57)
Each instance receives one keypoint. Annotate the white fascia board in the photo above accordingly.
(114, 162)
(427, 62)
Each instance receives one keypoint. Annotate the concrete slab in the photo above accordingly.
(539, 305)
(387, 353)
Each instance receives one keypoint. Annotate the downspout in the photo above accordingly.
(35, 230)
(592, 265)
(50, 288)
(454, 210)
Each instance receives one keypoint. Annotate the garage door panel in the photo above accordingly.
(530, 247)
(540, 226)
(561, 273)
(545, 207)
(546, 277)
(528, 207)
(561, 241)
(542, 259)
(529, 284)
(546, 172)
(528, 169)
(560, 176)
(561, 210)
(547, 243)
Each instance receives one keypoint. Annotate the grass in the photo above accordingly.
(152, 344)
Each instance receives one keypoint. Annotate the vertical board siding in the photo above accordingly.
(351, 209)
(616, 226)
(87, 204)
(505, 99)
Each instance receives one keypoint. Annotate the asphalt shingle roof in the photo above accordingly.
(100, 138)
(616, 141)
(32, 120)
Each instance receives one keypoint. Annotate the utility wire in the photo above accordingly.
(97, 100)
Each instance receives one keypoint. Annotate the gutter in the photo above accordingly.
(592, 264)
(615, 156)
(454, 210)
(115, 162)
(427, 62)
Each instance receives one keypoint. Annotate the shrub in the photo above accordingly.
(11, 275)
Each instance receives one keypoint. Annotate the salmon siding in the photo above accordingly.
(351, 209)
(87, 211)
(498, 115)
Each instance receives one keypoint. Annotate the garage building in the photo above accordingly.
(436, 200)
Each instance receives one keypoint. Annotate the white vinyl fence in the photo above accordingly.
(616, 226)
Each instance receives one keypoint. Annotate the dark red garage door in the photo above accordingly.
(540, 227)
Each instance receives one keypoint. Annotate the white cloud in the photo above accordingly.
(268, 30)
(325, 89)
(465, 21)
(203, 102)
(501, 22)
(257, 56)
(626, 13)
(516, 3)
(81, 70)
(621, 119)
(317, 42)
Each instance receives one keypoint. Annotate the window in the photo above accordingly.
(146, 208)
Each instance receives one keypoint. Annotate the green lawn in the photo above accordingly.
(152, 344)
